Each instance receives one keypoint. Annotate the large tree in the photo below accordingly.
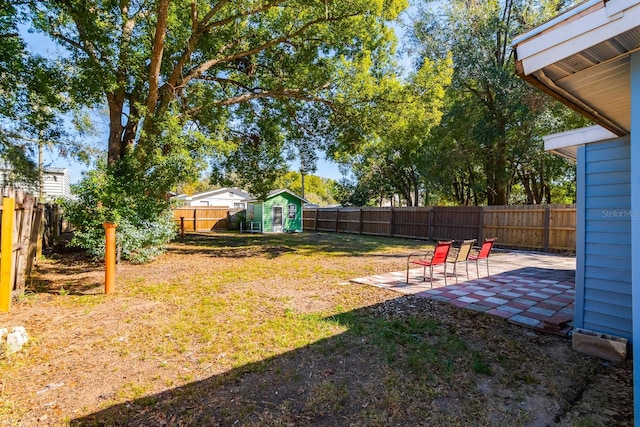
(494, 121)
(185, 78)
(392, 159)
(31, 102)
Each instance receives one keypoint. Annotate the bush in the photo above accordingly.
(144, 222)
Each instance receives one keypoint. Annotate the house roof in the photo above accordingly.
(212, 193)
(276, 192)
(565, 143)
(581, 58)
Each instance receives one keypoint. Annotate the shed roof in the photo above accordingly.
(581, 58)
(276, 192)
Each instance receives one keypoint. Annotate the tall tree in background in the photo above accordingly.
(494, 121)
(186, 78)
(391, 160)
(31, 102)
(317, 189)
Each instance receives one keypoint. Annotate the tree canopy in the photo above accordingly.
(32, 101)
(393, 158)
(183, 80)
(490, 138)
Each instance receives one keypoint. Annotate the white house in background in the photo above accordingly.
(232, 198)
(56, 183)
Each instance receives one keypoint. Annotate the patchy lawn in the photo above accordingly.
(265, 330)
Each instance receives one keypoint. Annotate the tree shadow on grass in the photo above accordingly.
(72, 272)
(407, 361)
(236, 245)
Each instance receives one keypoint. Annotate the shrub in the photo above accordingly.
(110, 194)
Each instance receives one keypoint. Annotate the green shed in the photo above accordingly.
(280, 212)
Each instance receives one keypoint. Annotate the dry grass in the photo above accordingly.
(229, 329)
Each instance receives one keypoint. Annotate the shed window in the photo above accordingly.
(292, 211)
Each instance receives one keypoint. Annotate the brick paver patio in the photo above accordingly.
(530, 289)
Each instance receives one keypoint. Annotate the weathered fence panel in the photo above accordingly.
(377, 222)
(562, 227)
(540, 227)
(326, 220)
(456, 223)
(350, 220)
(518, 226)
(21, 236)
(204, 218)
(545, 227)
(412, 222)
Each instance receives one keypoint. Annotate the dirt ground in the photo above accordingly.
(270, 332)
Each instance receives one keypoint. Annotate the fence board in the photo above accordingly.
(326, 219)
(540, 227)
(457, 223)
(376, 221)
(412, 222)
(205, 218)
(21, 237)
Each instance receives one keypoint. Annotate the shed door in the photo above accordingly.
(277, 219)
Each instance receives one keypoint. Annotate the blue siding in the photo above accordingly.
(634, 179)
(603, 288)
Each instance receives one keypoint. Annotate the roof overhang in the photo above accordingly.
(581, 58)
(566, 144)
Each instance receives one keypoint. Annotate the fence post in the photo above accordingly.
(547, 218)
(195, 219)
(6, 259)
(23, 223)
(391, 222)
(109, 257)
(315, 220)
(337, 218)
(182, 227)
(430, 224)
(40, 230)
(35, 240)
(360, 221)
(56, 223)
(481, 231)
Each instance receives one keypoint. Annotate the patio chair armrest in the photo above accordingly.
(423, 254)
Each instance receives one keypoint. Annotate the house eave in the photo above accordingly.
(565, 144)
(581, 58)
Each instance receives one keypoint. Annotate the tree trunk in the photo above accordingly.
(116, 146)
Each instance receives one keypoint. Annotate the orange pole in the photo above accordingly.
(7, 260)
(109, 257)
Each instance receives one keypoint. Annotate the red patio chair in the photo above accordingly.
(437, 257)
(483, 253)
(462, 256)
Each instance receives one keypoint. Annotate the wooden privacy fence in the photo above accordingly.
(206, 218)
(542, 227)
(20, 229)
